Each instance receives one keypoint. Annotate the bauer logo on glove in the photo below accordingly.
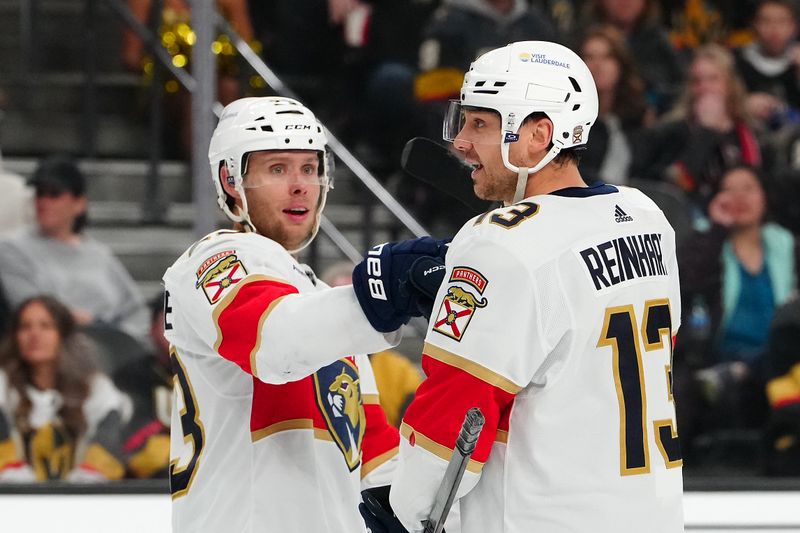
(385, 284)
(376, 288)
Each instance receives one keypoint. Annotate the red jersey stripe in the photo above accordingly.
(381, 440)
(240, 316)
(443, 399)
(480, 372)
(278, 408)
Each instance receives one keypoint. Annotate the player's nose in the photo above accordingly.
(461, 144)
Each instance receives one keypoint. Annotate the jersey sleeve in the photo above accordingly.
(381, 441)
(11, 458)
(236, 299)
(483, 346)
(106, 410)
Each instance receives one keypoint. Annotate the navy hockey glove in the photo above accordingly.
(424, 278)
(377, 512)
(381, 281)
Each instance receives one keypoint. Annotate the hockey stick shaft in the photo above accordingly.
(465, 445)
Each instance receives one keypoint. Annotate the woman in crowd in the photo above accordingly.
(706, 133)
(623, 108)
(736, 274)
(59, 417)
(638, 22)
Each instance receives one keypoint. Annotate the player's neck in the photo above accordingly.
(554, 177)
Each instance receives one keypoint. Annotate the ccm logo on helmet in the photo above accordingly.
(298, 127)
(376, 288)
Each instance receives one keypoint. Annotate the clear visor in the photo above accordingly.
(476, 126)
(288, 169)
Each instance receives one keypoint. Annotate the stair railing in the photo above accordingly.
(201, 23)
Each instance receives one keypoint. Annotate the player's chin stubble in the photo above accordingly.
(494, 188)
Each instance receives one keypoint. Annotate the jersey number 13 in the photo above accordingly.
(621, 332)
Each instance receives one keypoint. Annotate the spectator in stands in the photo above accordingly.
(16, 203)
(739, 271)
(647, 39)
(62, 416)
(175, 34)
(383, 108)
(695, 23)
(769, 66)
(148, 382)
(623, 108)
(706, 133)
(55, 257)
(397, 378)
(457, 33)
(460, 30)
(176, 13)
(783, 392)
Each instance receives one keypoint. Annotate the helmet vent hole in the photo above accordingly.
(576, 107)
(311, 141)
(574, 83)
(569, 95)
(487, 91)
(480, 83)
(260, 118)
(286, 141)
(499, 84)
(289, 112)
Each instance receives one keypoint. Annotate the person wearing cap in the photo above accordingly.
(56, 258)
(556, 319)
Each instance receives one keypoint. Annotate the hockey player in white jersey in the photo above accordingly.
(556, 319)
(277, 425)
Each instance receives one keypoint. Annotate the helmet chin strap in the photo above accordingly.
(522, 182)
(523, 173)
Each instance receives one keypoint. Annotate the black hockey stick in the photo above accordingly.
(465, 445)
(432, 163)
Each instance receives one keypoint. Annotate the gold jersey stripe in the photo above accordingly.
(257, 345)
(153, 458)
(471, 367)
(8, 453)
(370, 399)
(226, 301)
(439, 450)
(101, 460)
(502, 436)
(322, 434)
(286, 425)
(375, 462)
(782, 388)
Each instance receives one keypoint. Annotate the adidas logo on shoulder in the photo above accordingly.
(621, 216)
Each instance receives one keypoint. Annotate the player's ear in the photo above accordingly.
(227, 180)
(541, 135)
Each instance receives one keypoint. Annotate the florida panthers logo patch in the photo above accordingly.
(218, 273)
(339, 398)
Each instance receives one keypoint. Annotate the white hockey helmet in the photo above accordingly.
(267, 123)
(526, 77)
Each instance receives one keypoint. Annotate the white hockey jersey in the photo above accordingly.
(47, 450)
(276, 422)
(557, 319)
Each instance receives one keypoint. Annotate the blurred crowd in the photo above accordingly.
(699, 107)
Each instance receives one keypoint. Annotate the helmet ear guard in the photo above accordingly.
(524, 78)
